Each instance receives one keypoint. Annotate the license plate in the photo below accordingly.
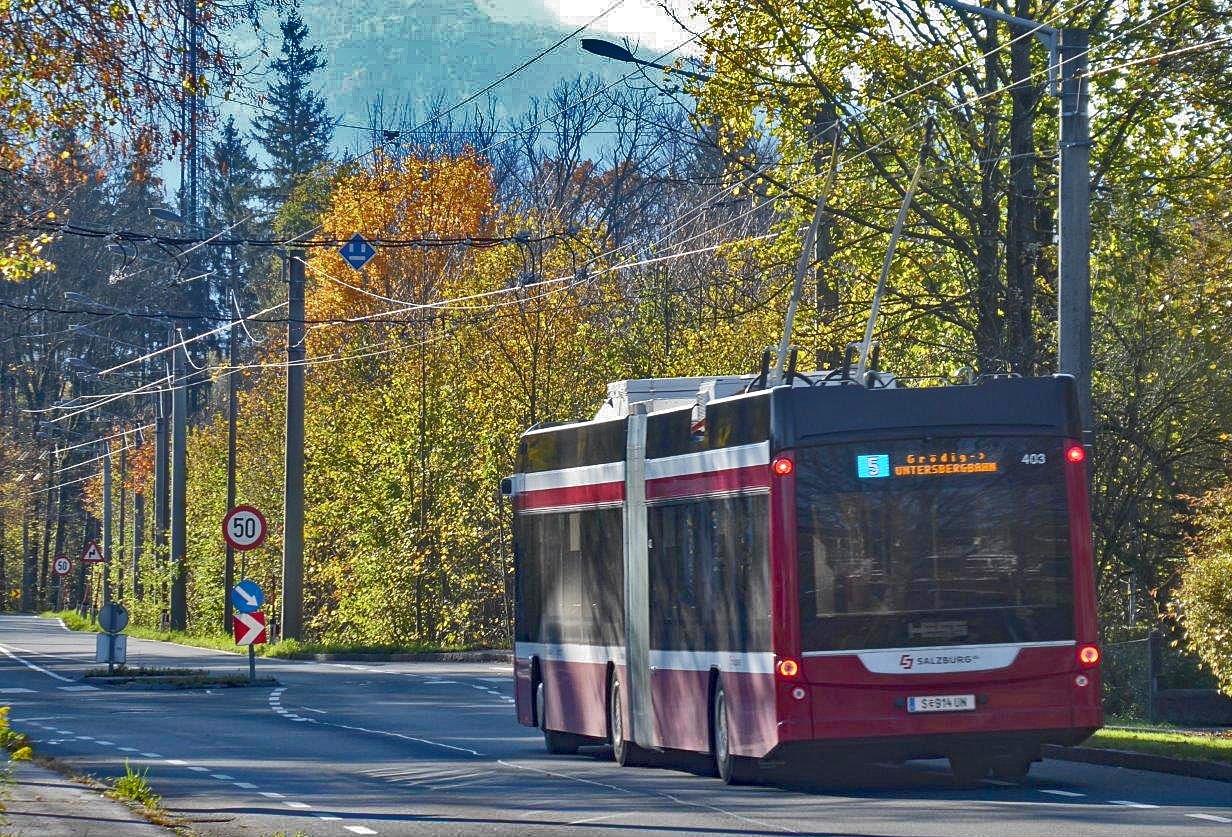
(941, 703)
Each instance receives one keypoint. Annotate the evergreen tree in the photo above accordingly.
(297, 128)
(232, 189)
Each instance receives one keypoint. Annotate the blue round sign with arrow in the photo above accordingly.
(247, 596)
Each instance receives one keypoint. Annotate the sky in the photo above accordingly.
(643, 22)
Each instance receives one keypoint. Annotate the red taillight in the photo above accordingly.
(788, 668)
(783, 466)
(1076, 453)
(1089, 655)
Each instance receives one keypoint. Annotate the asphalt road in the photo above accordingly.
(412, 748)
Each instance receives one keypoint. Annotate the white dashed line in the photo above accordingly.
(106, 743)
(16, 691)
(271, 795)
(198, 769)
(153, 755)
(177, 762)
(358, 829)
(128, 749)
(222, 777)
(85, 738)
(78, 688)
(245, 785)
(1062, 793)
(1128, 804)
(328, 817)
(1210, 817)
(299, 805)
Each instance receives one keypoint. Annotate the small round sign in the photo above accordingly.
(113, 618)
(244, 528)
(62, 565)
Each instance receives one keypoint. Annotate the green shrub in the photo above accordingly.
(1204, 597)
(133, 785)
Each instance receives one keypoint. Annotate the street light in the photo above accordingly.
(164, 214)
(607, 49)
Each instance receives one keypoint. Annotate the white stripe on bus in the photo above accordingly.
(701, 462)
(745, 662)
(573, 477)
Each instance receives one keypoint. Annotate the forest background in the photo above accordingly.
(640, 227)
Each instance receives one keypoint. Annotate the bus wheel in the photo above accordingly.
(732, 769)
(559, 743)
(969, 769)
(626, 753)
(1013, 767)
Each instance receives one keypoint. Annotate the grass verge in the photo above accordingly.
(221, 642)
(1215, 747)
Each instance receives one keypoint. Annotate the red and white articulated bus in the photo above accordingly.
(884, 573)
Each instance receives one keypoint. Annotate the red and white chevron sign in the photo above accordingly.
(249, 628)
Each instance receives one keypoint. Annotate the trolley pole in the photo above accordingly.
(1074, 222)
(179, 444)
(293, 486)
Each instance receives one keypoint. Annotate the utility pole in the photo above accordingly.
(123, 520)
(138, 537)
(293, 486)
(233, 361)
(179, 441)
(1074, 222)
(106, 565)
(1067, 75)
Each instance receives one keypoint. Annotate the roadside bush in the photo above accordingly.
(1204, 598)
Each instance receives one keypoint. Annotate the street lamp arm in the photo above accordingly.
(616, 52)
(1047, 35)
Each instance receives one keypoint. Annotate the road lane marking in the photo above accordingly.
(272, 795)
(327, 817)
(310, 709)
(300, 805)
(1129, 804)
(85, 738)
(197, 769)
(153, 755)
(77, 688)
(16, 691)
(1062, 793)
(245, 785)
(177, 762)
(222, 777)
(39, 669)
(106, 743)
(600, 817)
(128, 749)
(359, 829)
(1210, 817)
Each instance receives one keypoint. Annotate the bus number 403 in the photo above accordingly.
(1034, 459)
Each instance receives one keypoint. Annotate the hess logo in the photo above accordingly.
(906, 661)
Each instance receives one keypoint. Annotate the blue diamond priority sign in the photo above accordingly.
(247, 596)
(357, 251)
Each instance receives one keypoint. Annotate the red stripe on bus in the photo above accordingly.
(574, 495)
(709, 482)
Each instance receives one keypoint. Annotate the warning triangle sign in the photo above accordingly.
(92, 554)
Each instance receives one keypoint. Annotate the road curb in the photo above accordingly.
(1141, 761)
(491, 656)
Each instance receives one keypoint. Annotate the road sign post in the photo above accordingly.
(249, 622)
(113, 618)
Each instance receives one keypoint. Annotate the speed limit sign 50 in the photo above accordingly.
(244, 528)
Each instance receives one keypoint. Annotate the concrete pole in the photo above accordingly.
(232, 404)
(1074, 222)
(179, 529)
(106, 565)
(138, 538)
(293, 487)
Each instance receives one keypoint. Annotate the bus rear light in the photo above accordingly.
(798, 693)
(1076, 453)
(783, 466)
(1081, 680)
(788, 668)
(1089, 655)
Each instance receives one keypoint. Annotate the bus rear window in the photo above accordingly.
(933, 542)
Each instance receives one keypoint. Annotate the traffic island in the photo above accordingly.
(172, 678)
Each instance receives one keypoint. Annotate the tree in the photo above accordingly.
(296, 129)
(232, 186)
(1204, 598)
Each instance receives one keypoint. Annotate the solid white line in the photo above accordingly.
(1128, 804)
(177, 762)
(39, 669)
(1062, 793)
(358, 829)
(1210, 817)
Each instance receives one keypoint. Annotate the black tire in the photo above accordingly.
(557, 743)
(624, 751)
(732, 769)
(1011, 768)
(969, 769)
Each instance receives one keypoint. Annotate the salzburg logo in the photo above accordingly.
(906, 661)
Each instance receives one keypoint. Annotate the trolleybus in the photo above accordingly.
(878, 571)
